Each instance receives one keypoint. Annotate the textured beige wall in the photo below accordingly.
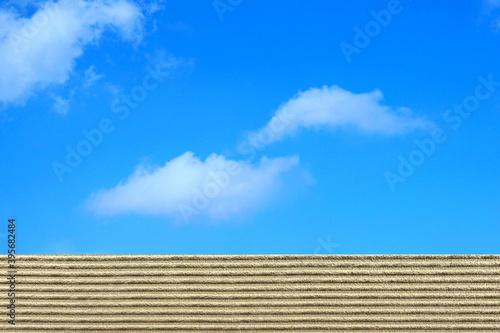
(333, 293)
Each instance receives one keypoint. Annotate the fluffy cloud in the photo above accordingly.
(334, 107)
(40, 50)
(220, 188)
(187, 187)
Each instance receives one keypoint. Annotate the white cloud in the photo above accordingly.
(187, 187)
(61, 105)
(91, 77)
(334, 107)
(41, 50)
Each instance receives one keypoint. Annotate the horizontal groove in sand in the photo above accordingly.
(255, 264)
(138, 327)
(251, 287)
(275, 271)
(172, 310)
(359, 302)
(431, 281)
(310, 318)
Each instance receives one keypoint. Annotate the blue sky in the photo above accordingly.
(250, 127)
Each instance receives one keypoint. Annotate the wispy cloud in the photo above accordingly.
(91, 77)
(334, 107)
(154, 6)
(41, 50)
(61, 105)
(218, 188)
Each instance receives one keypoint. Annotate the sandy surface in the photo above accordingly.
(319, 293)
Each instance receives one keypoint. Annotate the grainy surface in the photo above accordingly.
(255, 293)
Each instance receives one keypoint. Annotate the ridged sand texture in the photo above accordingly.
(255, 293)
